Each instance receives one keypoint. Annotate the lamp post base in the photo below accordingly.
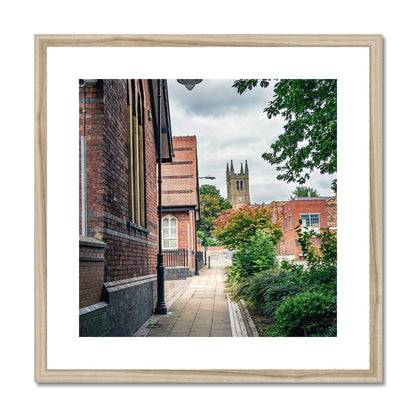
(161, 309)
(196, 265)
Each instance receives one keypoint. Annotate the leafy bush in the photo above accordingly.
(258, 254)
(238, 227)
(308, 313)
(302, 299)
(270, 288)
(322, 278)
(327, 254)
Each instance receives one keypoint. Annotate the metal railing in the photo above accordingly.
(176, 257)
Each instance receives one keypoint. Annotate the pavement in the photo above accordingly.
(200, 307)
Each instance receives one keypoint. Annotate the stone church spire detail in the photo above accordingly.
(238, 191)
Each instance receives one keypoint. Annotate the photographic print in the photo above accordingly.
(246, 244)
(217, 217)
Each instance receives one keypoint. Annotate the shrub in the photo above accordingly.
(270, 288)
(308, 313)
(238, 227)
(327, 254)
(258, 254)
(321, 277)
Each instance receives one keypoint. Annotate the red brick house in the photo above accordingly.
(312, 212)
(118, 221)
(180, 208)
(315, 213)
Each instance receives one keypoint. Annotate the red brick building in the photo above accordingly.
(180, 207)
(118, 221)
(314, 213)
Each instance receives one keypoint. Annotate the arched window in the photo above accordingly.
(135, 136)
(241, 185)
(169, 232)
(237, 185)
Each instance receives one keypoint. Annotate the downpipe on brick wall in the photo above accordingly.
(84, 83)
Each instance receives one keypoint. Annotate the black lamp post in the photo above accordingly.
(161, 308)
(190, 84)
(204, 202)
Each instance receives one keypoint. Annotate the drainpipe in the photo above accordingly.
(196, 247)
(83, 170)
(84, 83)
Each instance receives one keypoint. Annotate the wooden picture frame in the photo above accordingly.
(375, 369)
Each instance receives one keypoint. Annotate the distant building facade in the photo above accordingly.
(238, 187)
(180, 208)
(315, 213)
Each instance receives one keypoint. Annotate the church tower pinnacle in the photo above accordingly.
(238, 191)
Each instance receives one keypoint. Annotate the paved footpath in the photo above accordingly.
(201, 311)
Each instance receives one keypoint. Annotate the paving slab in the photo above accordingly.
(200, 307)
(201, 310)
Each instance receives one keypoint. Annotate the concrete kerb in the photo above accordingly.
(240, 319)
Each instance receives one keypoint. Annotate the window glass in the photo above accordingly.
(169, 232)
(310, 220)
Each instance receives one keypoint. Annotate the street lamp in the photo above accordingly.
(189, 83)
(204, 202)
(161, 308)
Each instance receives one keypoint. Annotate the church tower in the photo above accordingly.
(238, 192)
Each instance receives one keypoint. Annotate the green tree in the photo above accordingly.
(215, 205)
(258, 254)
(303, 191)
(236, 228)
(309, 141)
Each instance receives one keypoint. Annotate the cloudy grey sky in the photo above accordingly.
(231, 126)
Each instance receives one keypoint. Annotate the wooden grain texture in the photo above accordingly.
(375, 371)
(40, 210)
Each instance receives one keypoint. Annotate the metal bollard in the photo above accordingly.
(209, 262)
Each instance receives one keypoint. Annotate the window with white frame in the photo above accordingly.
(310, 220)
(285, 223)
(290, 222)
(169, 232)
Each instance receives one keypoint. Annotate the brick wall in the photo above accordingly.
(92, 107)
(131, 250)
(91, 271)
(295, 208)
